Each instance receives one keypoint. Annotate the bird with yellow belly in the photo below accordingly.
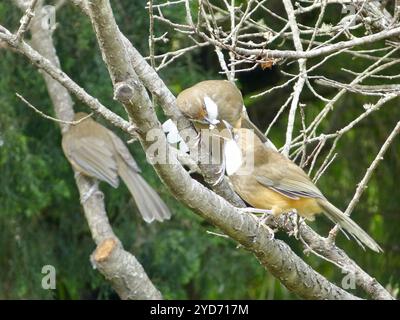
(271, 181)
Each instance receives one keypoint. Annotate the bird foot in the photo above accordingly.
(262, 224)
(197, 140)
(221, 174)
(264, 215)
(261, 220)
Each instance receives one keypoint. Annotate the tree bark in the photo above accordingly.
(119, 267)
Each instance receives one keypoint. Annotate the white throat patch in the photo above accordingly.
(233, 157)
(173, 135)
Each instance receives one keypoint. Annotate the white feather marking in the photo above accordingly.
(233, 157)
(170, 128)
(168, 125)
(212, 110)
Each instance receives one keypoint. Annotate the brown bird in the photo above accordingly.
(209, 102)
(266, 179)
(274, 183)
(97, 152)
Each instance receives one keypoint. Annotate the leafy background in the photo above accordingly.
(41, 221)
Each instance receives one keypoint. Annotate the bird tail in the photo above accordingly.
(349, 225)
(149, 203)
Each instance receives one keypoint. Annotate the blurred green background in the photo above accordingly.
(41, 220)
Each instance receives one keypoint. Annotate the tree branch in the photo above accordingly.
(298, 87)
(227, 218)
(274, 254)
(242, 227)
(121, 268)
(363, 183)
(155, 84)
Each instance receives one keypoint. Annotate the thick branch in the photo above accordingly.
(274, 254)
(168, 101)
(120, 267)
(152, 77)
(155, 84)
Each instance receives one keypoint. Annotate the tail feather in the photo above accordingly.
(149, 203)
(349, 225)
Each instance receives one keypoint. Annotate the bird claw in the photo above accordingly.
(264, 218)
(262, 223)
(218, 181)
(197, 140)
(221, 175)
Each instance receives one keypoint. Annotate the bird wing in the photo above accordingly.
(248, 124)
(286, 178)
(123, 151)
(93, 158)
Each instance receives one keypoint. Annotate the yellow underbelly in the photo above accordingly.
(262, 197)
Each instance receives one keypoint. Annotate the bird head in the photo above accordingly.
(211, 101)
(198, 108)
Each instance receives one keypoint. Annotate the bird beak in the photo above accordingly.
(211, 122)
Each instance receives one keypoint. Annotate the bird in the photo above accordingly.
(97, 152)
(207, 100)
(274, 182)
(210, 101)
(266, 179)
(211, 105)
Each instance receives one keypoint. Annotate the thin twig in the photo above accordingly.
(379, 157)
(368, 174)
(49, 117)
(25, 20)
(298, 87)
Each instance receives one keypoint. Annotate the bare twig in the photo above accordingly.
(379, 157)
(151, 34)
(49, 117)
(363, 183)
(298, 87)
(25, 20)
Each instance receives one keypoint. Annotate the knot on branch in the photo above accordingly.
(104, 250)
(123, 92)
